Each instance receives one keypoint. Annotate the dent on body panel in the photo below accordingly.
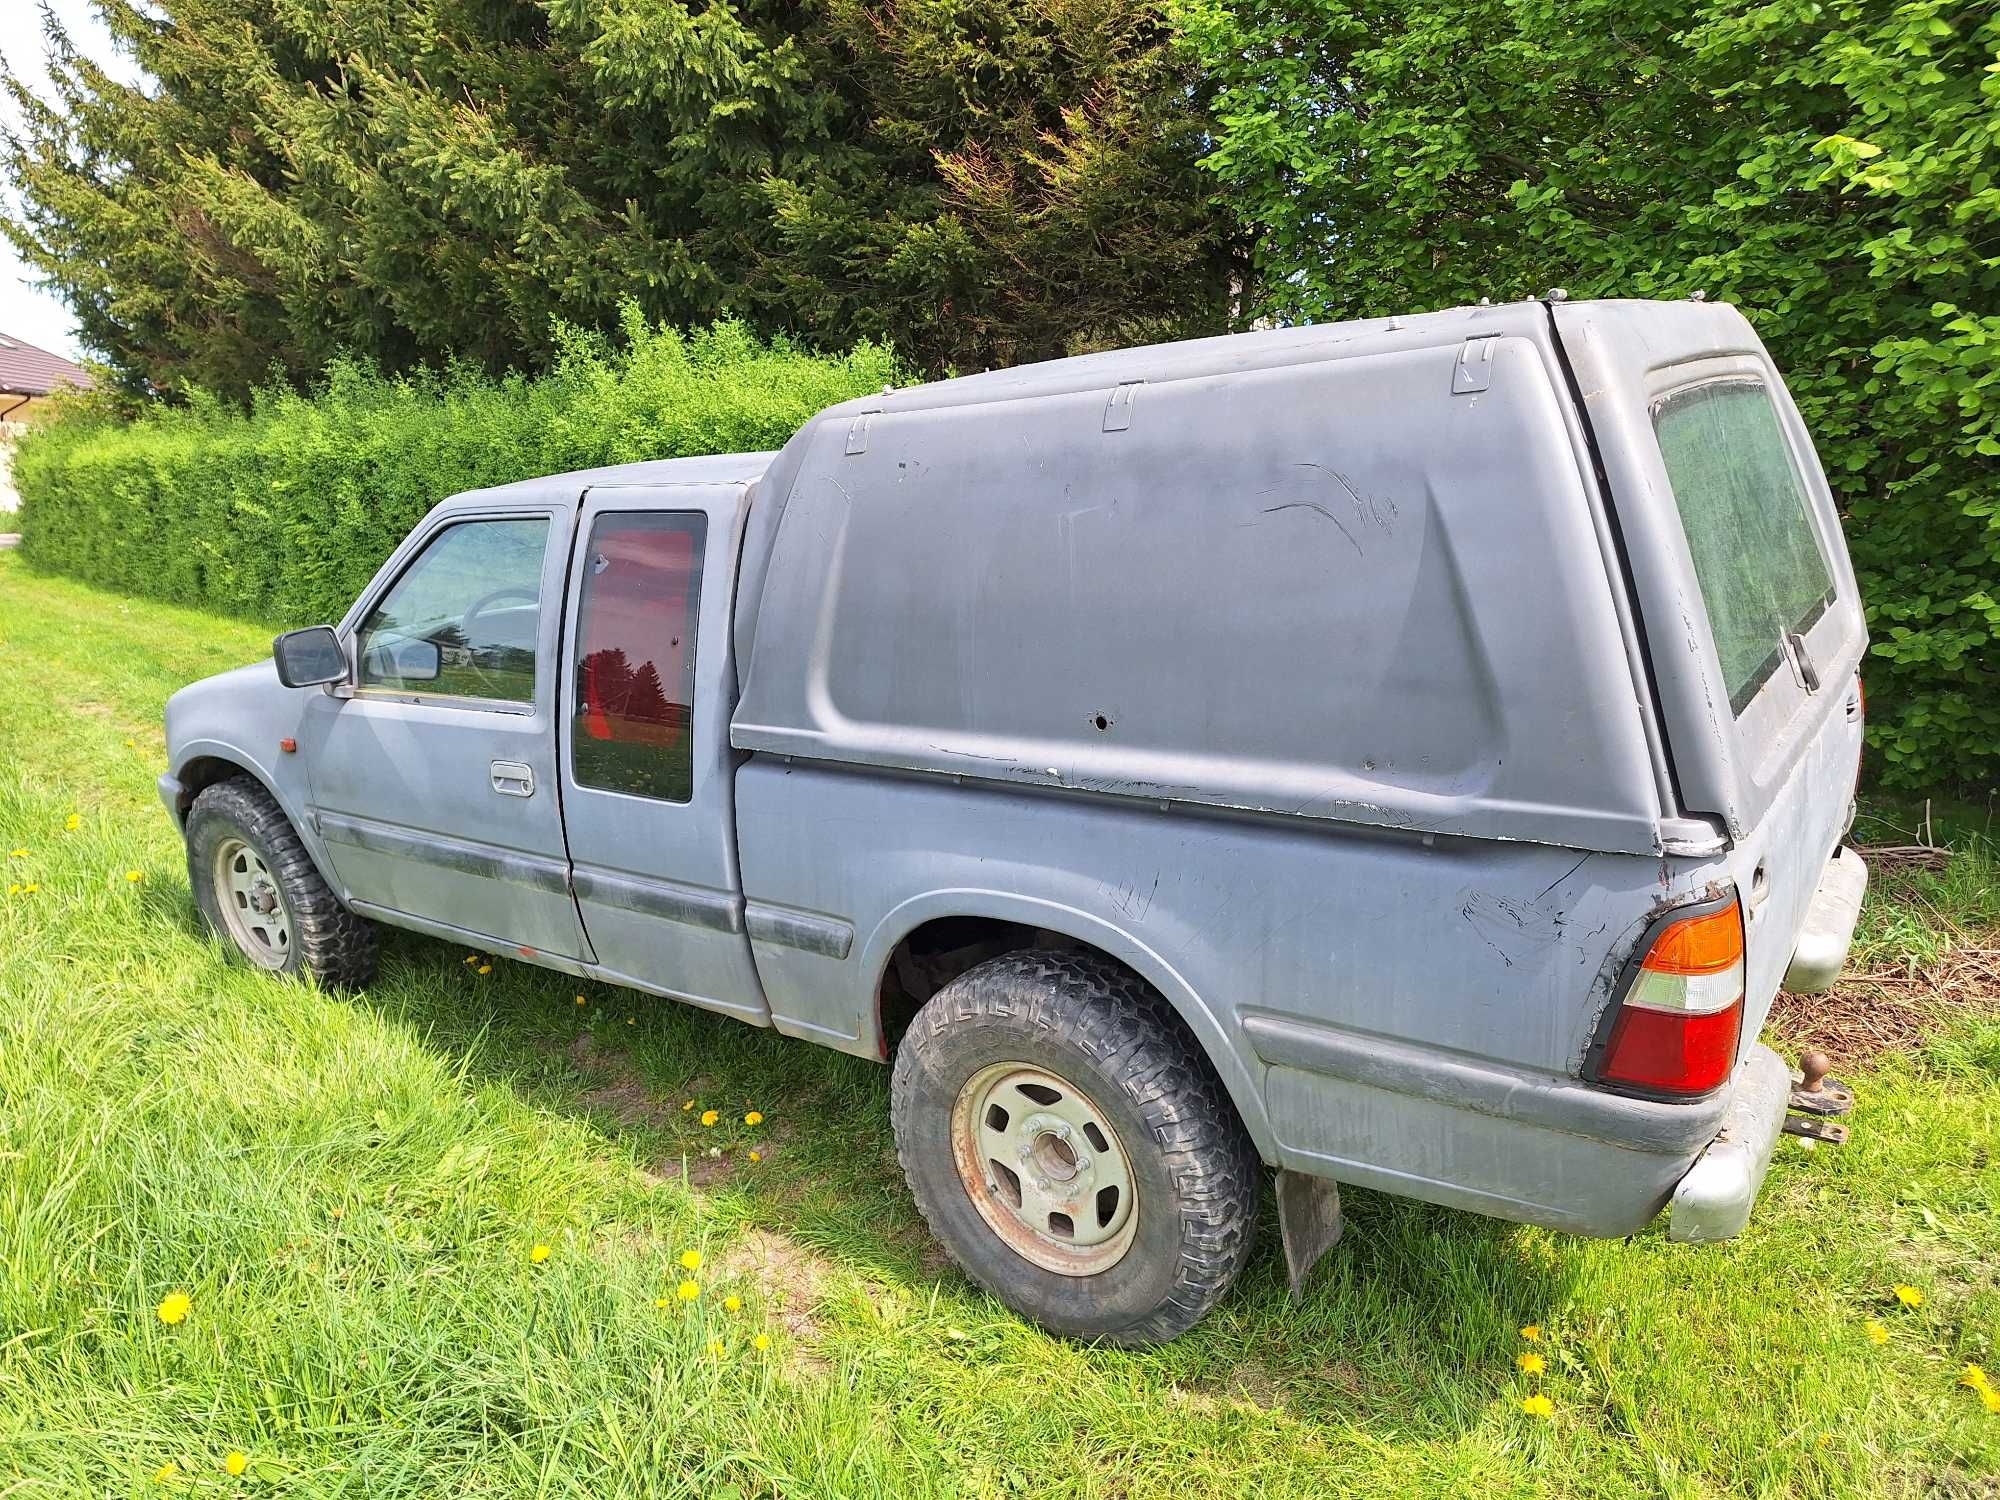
(1486, 948)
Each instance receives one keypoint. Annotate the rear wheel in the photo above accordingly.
(258, 889)
(1072, 1148)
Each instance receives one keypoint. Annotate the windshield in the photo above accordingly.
(1743, 506)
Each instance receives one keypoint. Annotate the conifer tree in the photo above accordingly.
(420, 181)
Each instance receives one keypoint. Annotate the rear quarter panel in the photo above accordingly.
(1355, 988)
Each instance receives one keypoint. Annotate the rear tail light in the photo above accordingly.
(1676, 1028)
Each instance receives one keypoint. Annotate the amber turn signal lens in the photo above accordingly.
(1707, 944)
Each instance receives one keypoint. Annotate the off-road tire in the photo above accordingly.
(329, 942)
(1087, 1020)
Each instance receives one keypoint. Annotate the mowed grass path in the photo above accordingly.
(348, 1190)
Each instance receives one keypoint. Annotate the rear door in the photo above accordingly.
(1753, 626)
(648, 776)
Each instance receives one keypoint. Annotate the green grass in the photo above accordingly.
(349, 1188)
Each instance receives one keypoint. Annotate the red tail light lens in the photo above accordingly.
(1673, 1054)
(1681, 1018)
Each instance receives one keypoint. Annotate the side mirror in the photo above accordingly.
(412, 659)
(307, 658)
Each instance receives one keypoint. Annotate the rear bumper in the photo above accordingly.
(1829, 926)
(1713, 1201)
(1496, 1140)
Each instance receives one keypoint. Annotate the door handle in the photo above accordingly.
(511, 778)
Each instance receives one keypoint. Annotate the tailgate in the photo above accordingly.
(1752, 626)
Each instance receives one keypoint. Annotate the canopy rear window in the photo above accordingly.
(1743, 506)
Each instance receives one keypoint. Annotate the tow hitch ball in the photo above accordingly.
(1817, 1100)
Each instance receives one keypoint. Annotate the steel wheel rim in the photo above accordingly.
(1045, 1168)
(253, 908)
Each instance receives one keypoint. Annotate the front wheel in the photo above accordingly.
(1072, 1148)
(258, 889)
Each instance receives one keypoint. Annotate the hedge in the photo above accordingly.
(283, 512)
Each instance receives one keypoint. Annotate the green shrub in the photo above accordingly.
(284, 511)
(1831, 166)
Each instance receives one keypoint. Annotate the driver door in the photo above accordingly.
(434, 782)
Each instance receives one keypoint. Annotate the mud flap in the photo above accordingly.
(1308, 1222)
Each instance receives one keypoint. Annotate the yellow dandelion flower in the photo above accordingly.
(73, 822)
(687, 1106)
(17, 853)
(715, 1347)
(31, 887)
(756, 1156)
(135, 876)
(690, 1260)
(166, 1473)
(1826, 1440)
(710, 1116)
(762, 1341)
(484, 969)
(236, 1461)
(539, 1254)
(1909, 1296)
(755, 1117)
(581, 1001)
(1532, 1333)
(733, 1302)
(14, 889)
(472, 958)
(661, 1302)
(131, 744)
(1531, 1364)
(1974, 1377)
(687, 1291)
(1877, 1334)
(1989, 1398)
(1539, 1405)
(174, 1308)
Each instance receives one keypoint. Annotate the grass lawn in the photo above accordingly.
(348, 1190)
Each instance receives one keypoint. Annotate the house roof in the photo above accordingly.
(28, 371)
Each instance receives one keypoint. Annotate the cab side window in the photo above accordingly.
(461, 620)
(636, 655)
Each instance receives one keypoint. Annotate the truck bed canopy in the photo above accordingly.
(1349, 573)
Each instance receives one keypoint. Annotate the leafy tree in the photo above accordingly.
(415, 181)
(1832, 166)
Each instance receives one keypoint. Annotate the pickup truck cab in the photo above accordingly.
(1410, 753)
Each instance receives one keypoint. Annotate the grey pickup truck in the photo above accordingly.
(1408, 753)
